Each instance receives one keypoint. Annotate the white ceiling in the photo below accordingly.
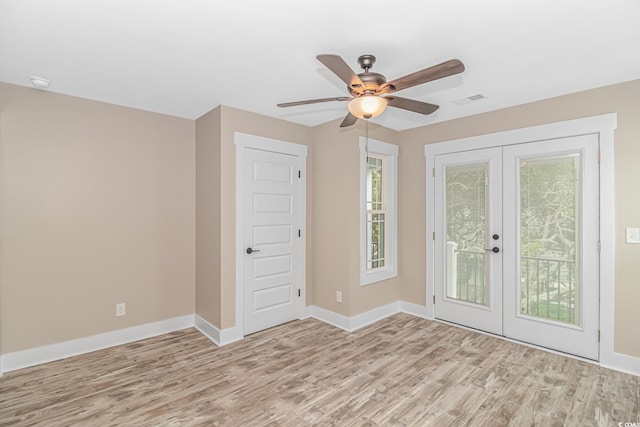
(185, 57)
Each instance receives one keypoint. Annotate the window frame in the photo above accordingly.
(389, 153)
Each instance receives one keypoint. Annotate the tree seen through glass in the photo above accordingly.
(549, 229)
(548, 237)
(375, 213)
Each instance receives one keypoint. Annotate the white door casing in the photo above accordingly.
(270, 219)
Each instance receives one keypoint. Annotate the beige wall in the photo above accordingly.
(336, 226)
(97, 208)
(100, 204)
(622, 99)
(208, 208)
(234, 120)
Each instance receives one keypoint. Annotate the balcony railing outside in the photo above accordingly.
(547, 285)
(548, 288)
(470, 273)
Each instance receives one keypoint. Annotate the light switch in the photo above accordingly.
(633, 235)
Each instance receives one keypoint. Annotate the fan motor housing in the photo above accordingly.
(372, 82)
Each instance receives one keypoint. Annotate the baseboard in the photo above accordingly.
(49, 353)
(415, 310)
(230, 335)
(219, 337)
(621, 362)
(358, 321)
(328, 316)
(306, 312)
(364, 319)
(207, 329)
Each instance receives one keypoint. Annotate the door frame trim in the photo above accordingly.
(242, 142)
(602, 125)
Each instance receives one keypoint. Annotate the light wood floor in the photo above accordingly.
(399, 371)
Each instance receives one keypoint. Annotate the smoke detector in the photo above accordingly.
(39, 82)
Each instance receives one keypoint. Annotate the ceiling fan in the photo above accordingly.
(366, 89)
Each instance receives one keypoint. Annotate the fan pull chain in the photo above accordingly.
(366, 139)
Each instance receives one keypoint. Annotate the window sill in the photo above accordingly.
(378, 276)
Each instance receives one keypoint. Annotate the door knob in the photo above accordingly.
(495, 237)
(249, 250)
(494, 249)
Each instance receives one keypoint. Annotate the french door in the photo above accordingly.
(468, 216)
(516, 242)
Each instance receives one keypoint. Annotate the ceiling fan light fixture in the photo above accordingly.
(365, 88)
(367, 106)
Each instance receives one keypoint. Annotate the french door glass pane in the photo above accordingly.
(466, 225)
(549, 230)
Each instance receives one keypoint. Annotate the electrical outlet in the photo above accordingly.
(339, 296)
(121, 309)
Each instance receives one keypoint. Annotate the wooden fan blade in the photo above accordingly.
(436, 72)
(411, 105)
(341, 69)
(349, 120)
(313, 101)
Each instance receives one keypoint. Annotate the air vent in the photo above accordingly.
(470, 99)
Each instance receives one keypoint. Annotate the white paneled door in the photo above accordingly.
(273, 264)
(516, 242)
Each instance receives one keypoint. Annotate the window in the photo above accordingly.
(378, 201)
(376, 212)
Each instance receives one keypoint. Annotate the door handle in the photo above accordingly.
(495, 249)
(249, 250)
